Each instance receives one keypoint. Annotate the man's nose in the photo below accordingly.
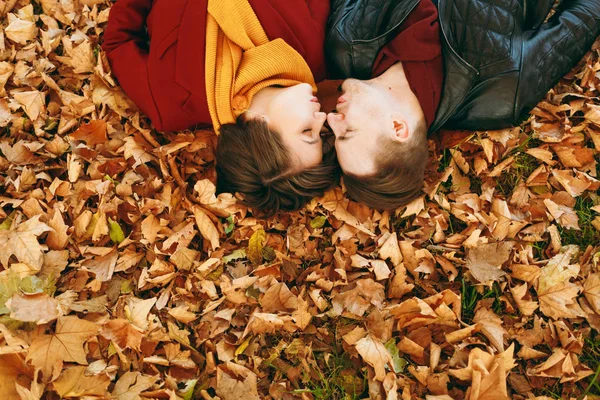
(337, 123)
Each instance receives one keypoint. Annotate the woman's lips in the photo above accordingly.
(314, 99)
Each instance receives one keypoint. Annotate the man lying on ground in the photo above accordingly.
(459, 64)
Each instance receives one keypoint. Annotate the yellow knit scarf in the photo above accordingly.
(241, 60)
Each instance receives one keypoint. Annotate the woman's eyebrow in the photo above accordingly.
(314, 141)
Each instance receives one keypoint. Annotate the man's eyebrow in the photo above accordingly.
(343, 138)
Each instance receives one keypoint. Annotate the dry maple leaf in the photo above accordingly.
(591, 290)
(11, 367)
(560, 301)
(32, 101)
(491, 327)
(375, 354)
(39, 308)
(485, 261)
(358, 300)
(92, 133)
(235, 382)
(22, 243)
(527, 307)
(74, 383)
(21, 31)
(48, 352)
(131, 384)
(123, 334)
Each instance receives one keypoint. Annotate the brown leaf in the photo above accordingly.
(358, 300)
(236, 382)
(22, 243)
(39, 308)
(375, 354)
(57, 239)
(48, 352)
(131, 384)
(591, 290)
(92, 133)
(11, 367)
(485, 261)
(123, 334)
(74, 383)
(206, 227)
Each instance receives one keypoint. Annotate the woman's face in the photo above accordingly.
(295, 113)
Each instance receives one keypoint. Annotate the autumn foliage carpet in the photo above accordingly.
(123, 276)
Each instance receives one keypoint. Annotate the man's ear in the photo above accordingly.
(401, 131)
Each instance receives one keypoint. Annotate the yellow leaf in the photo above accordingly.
(255, 246)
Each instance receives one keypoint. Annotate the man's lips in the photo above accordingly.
(341, 100)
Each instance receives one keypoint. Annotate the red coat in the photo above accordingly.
(166, 81)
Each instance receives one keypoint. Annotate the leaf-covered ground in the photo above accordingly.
(123, 276)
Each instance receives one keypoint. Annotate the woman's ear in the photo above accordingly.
(401, 131)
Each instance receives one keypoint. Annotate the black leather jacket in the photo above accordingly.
(499, 58)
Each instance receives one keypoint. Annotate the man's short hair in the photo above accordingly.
(253, 160)
(400, 169)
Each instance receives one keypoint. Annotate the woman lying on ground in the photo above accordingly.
(248, 67)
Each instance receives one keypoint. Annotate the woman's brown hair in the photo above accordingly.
(252, 160)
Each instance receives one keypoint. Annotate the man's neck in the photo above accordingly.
(393, 81)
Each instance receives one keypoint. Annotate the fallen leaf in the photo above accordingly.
(375, 354)
(485, 261)
(48, 352)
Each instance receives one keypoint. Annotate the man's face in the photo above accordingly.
(360, 121)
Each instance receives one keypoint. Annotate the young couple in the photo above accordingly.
(249, 68)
